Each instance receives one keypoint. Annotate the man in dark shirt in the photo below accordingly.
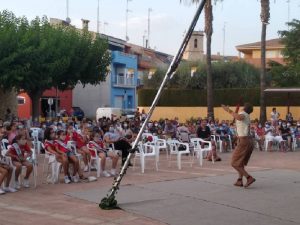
(203, 132)
(286, 134)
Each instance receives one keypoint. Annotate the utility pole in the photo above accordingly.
(288, 2)
(149, 11)
(68, 20)
(127, 12)
(224, 29)
(98, 19)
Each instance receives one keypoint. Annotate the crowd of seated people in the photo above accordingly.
(112, 138)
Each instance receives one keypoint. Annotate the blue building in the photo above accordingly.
(119, 89)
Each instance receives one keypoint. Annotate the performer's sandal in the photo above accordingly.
(239, 182)
(250, 180)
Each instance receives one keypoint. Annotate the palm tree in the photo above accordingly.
(265, 17)
(208, 29)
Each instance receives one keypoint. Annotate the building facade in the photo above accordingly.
(251, 53)
(194, 50)
(119, 88)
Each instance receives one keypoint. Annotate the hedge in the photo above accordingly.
(189, 98)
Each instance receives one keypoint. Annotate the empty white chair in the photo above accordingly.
(201, 147)
(146, 150)
(178, 148)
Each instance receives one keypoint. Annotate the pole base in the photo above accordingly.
(109, 203)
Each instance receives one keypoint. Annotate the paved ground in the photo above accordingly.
(193, 195)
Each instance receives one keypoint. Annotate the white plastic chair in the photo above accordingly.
(146, 150)
(174, 150)
(161, 144)
(201, 147)
(50, 161)
(96, 159)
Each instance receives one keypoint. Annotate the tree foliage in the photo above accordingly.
(35, 56)
(288, 75)
(226, 75)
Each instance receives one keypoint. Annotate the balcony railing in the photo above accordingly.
(123, 81)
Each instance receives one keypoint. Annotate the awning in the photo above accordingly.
(282, 90)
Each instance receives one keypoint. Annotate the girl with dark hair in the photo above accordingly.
(60, 156)
(19, 152)
(61, 147)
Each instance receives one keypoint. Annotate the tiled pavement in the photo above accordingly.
(49, 204)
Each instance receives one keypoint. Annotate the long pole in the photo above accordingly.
(109, 202)
(127, 11)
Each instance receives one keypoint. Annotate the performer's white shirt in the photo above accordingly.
(243, 126)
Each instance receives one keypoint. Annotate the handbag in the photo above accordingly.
(181, 147)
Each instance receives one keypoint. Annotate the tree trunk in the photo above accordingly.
(263, 116)
(265, 16)
(35, 104)
(209, 81)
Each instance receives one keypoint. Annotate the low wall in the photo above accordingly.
(185, 113)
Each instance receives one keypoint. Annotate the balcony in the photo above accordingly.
(122, 81)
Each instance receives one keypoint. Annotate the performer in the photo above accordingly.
(244, 148)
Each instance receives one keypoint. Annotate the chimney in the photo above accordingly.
(85, 24)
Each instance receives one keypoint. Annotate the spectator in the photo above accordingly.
(5, 174)
(289, 118)
(260, 131)
(19, 152)
(97, 143)
(111, 137)
(59, 155)
(81, 141)
(274, 117)
(204, 133)
(9, 116)
(170, 129)
(62, 148)
(286, 135)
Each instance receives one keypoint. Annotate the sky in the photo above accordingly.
(168, 19)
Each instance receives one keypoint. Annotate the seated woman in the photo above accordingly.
(98, 144)
(110, 137)
(19, 152)
(204, 133)
(81, 142)
(5, 173)
(61, 147)
(59, 155)
(286, 135)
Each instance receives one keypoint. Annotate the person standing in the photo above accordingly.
(244, 148)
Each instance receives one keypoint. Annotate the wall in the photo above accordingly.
(184, 113)
(91, 97)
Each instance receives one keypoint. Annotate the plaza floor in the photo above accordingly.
(193, 195)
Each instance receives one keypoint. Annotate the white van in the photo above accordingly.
(107, 112)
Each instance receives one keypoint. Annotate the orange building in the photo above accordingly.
(64, 99)
(251, 53)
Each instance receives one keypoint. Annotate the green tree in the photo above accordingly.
(35, 56)
(288, 75)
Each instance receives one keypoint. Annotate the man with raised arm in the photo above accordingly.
(244, 148)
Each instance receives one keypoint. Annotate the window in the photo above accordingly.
(196, 43)
(21, 100)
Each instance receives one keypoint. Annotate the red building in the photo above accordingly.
(64, 102)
